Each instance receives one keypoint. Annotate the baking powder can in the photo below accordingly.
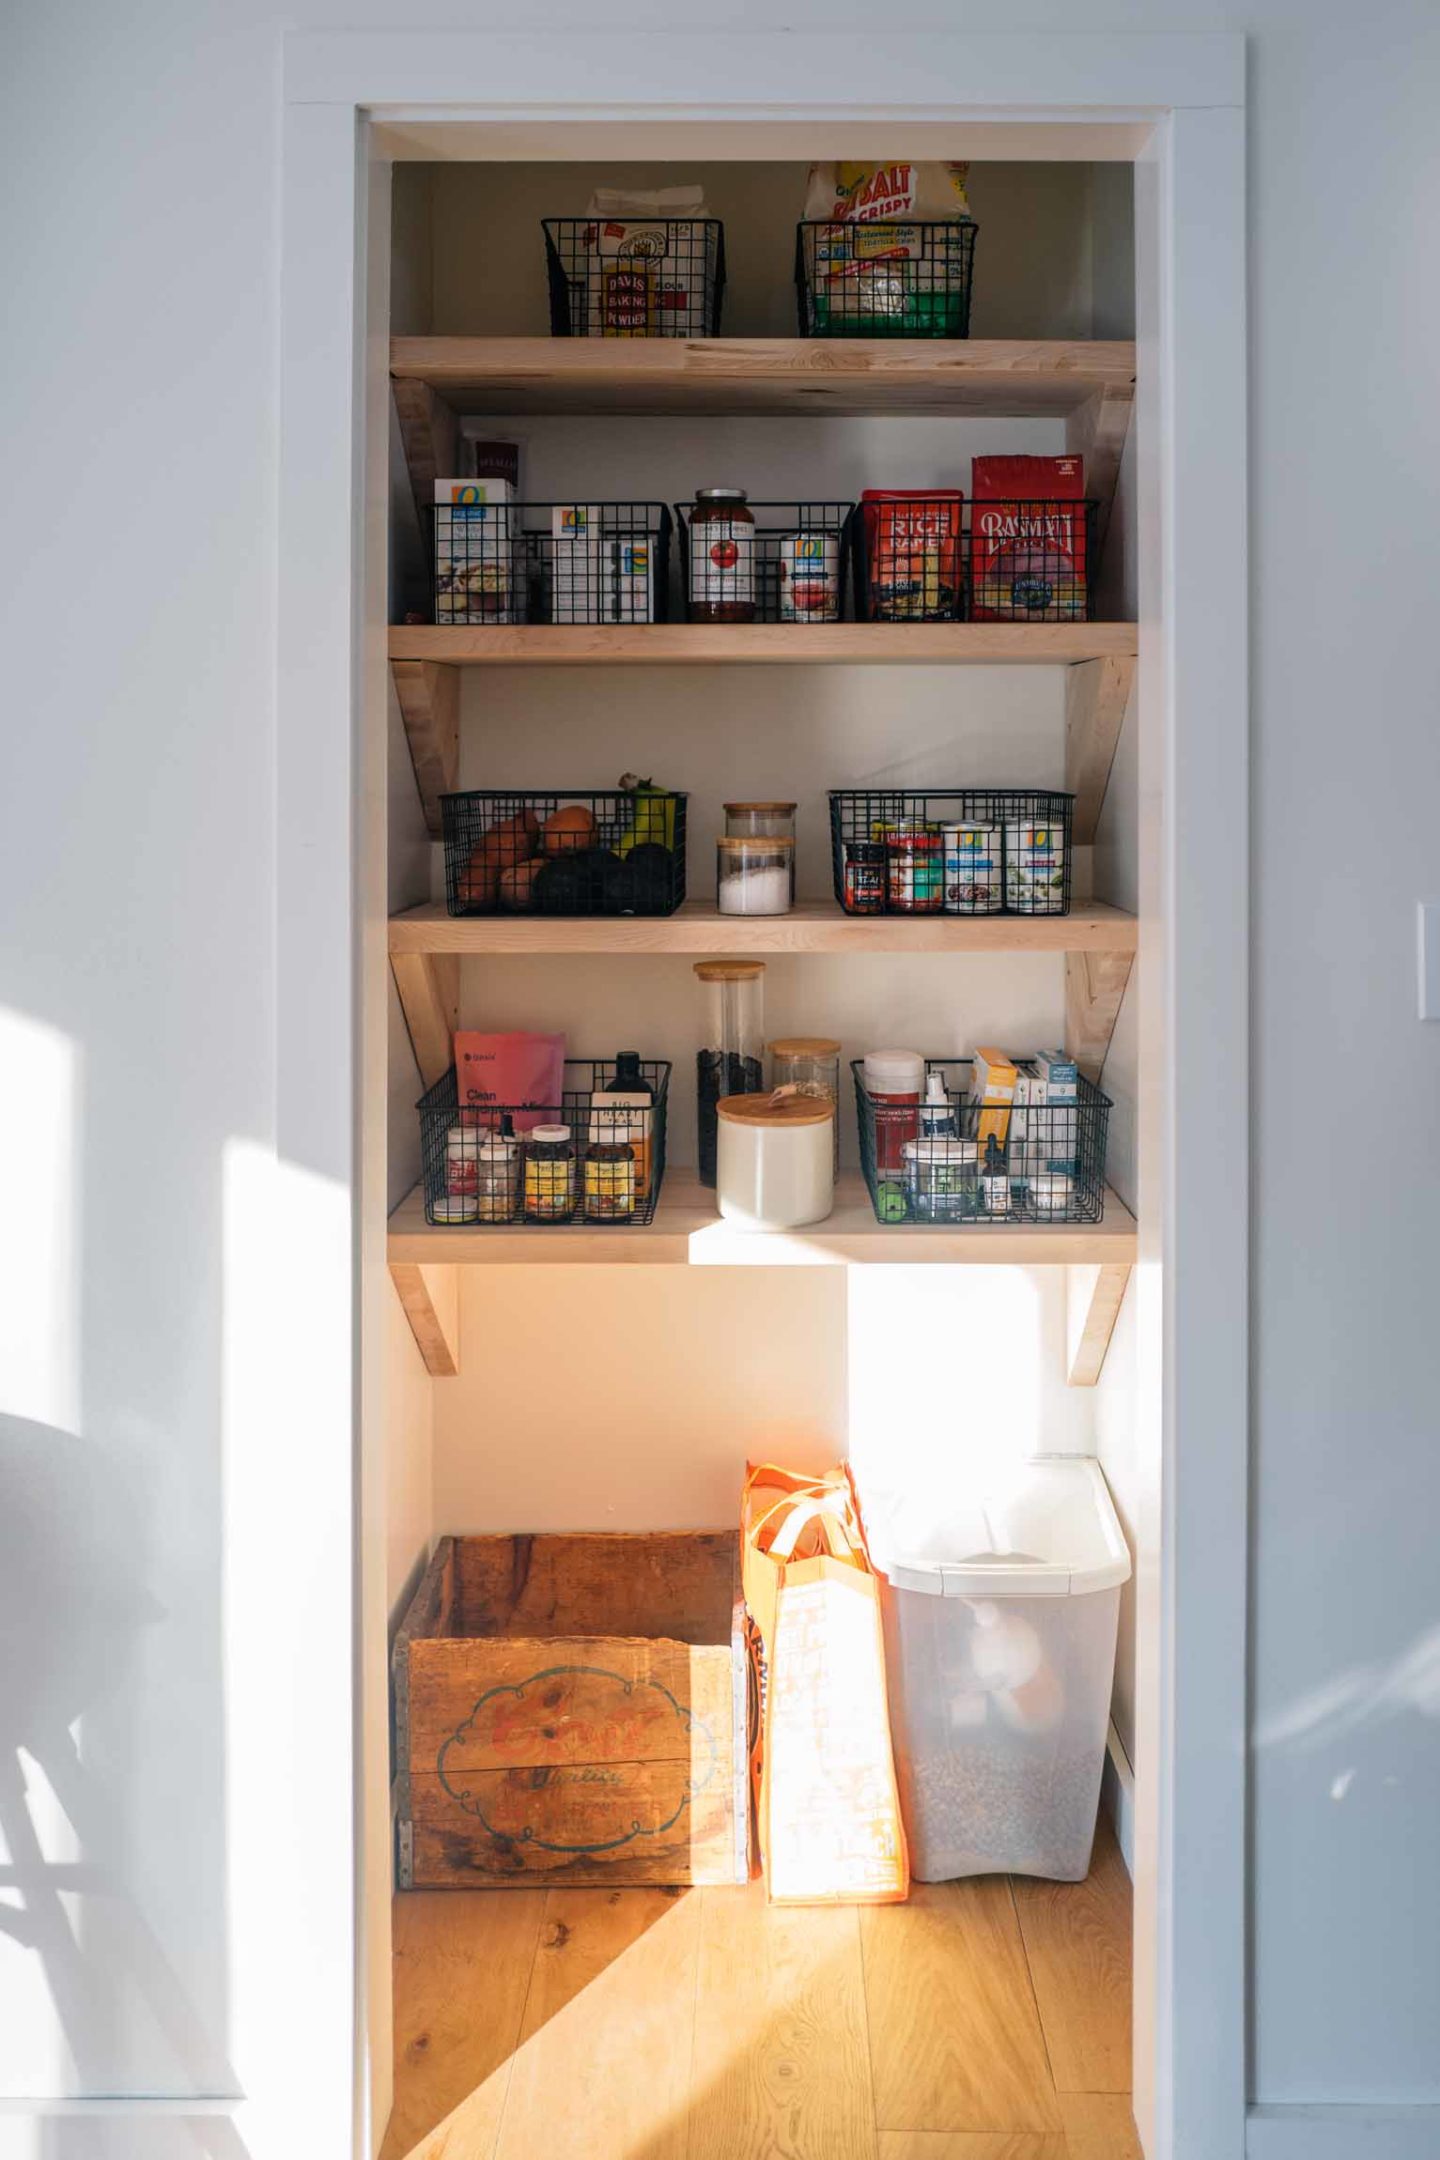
(809, 576)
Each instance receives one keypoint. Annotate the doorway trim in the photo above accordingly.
(1175, 107)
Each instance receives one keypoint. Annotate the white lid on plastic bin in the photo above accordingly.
(1046, 1529)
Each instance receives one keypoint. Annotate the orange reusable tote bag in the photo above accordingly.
(829, 1812)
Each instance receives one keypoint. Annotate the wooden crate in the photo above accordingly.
(573, 1710)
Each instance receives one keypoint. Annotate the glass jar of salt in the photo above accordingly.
(754, 876)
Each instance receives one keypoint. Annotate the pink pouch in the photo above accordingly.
(506, 1072)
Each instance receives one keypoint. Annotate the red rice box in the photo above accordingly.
(912, 553)
(1027, 540)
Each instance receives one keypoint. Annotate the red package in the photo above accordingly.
(912, 553)
(507, 1071)
(1027, 540)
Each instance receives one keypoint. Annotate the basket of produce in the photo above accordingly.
(615, 851)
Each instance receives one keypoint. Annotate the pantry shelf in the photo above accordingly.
(814, 926)
(943, 644)
(688, 1231)
(988, 377)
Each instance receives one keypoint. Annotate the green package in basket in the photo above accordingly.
(653, 816)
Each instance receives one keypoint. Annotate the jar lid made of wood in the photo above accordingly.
(780, 1108)
(756, 843)
(733, 808)
(805, 1046)
(729, 970)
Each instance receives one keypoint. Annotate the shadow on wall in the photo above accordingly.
(73, 1611)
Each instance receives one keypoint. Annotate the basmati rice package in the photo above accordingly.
(1027, 540)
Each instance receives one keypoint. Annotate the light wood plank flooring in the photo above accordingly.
(985, 2020)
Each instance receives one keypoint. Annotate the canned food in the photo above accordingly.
(973, 884)
(1035, 868)
(915, 879)
(809, 576)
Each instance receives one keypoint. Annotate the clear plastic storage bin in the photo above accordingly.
(1000, 1625)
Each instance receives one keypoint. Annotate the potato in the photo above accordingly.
(478, 880)
(517, 885)
(513, 841)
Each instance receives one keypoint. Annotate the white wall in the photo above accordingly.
(137, 872)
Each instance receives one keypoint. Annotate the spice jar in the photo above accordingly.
(732, 1037)
(722, 557)
(915, 881)
(549, 1175)
(810, 1065)
(775, 1165)
(892, 1081)
(754, 877)
(610, 1182)
(866, 863)
(942, 1176)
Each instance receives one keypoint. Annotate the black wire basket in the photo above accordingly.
(951, 851)
(1038, 1158)
(1030, 561)
(596, 562)
(568, 852)
(884, 278)
(789, 562)
(934, 557)
(632, 277)
(479, 1172)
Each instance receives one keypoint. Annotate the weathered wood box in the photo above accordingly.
(573, 1709)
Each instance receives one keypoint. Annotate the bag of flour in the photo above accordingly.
(652, 261)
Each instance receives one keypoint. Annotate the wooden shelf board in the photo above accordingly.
(985, 376)
(762, 644)
(688, 1231)
(814, 926)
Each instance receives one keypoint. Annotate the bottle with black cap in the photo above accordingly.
(622, 1115)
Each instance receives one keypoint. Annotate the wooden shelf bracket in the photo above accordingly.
(1096, 695)
(430, 1294)
(1096, 431)
(428, 429)
(1094, 986)
(1094, 1295)
(429, 695)
(429, 987)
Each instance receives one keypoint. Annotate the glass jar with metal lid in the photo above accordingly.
(810, 1065)
(722, 557)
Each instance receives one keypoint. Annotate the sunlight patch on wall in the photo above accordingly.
(39, 1177)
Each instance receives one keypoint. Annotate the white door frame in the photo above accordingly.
(1175, 105)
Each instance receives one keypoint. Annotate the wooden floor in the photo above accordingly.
(985, 2020)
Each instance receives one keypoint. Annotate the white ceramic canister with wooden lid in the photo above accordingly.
(775, 1167)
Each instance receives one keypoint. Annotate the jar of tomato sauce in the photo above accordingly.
(722, 557)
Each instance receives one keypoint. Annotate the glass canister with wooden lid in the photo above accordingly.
(764, 821)
(810, 1064)
(731, 1057)
(775, 1160)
